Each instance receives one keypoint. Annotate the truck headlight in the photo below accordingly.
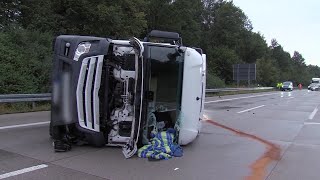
(82, 48)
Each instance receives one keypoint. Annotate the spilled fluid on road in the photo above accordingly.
(259, 167)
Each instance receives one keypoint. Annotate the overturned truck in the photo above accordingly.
(116, 92)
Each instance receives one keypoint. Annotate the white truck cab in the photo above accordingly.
(115, 92)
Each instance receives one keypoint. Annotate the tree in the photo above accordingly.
(9, 13)
(228, 38)
(301, 74)
(222, 60)
(219, 27)
(252, 47)
(97, 17)
(298, 59)
(182, 16)
(38, 15)
(25, 61)
(314, 71)
(274, 43)
(267, 73)
(282, 61)
(229, 24)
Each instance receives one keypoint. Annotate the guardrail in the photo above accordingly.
(237, 89)
(13, 98)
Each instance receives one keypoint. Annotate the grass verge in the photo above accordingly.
(22, 107)
(238, 92)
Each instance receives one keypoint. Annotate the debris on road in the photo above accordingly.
(162, 146)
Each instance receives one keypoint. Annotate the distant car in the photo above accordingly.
(314, 87)
(288, 85)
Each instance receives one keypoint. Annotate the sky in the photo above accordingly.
(295, 24)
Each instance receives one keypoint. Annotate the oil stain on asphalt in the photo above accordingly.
(259, 167)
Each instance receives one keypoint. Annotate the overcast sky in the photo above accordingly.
(294, 23)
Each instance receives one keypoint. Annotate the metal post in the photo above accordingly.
(249, 76)
(255, 72)
(238, 81)
(233, 75)
(33, 105)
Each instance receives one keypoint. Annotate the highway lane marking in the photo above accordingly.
(24, 125)
(251, 109)
(311, 123)
(303, 144)
(290, 97)
(22, 171)
(246, 97)
(313, 113)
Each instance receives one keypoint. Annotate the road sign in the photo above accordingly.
(244, 72)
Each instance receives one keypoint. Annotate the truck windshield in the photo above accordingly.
(165, 77)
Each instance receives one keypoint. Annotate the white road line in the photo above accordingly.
(24, 125)
(313, 113)
(290, 97)
(250, 109)
(22, 171)
(312, 123)
(310, 145)
(246, 97)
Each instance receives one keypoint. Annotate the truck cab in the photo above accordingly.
(116, 92)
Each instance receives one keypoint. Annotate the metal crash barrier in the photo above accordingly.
(14, 98)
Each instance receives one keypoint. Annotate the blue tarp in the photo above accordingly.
(161, 146)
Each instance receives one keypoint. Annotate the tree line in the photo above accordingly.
(220, 28)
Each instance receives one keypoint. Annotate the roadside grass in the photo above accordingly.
(238, 92)
(22, 107)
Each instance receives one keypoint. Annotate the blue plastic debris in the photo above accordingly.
(162, 146)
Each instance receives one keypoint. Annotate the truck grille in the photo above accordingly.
(87, 92)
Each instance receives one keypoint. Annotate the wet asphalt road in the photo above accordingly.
(288, 119)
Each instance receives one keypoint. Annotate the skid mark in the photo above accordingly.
(259, 167)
